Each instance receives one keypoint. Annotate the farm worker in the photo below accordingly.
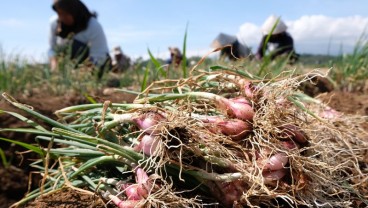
(175, 56)
(76, 29)
(236, 51)
(280, 41)
(120, 62)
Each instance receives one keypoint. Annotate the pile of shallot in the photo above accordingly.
(219, 139)
(250, 143)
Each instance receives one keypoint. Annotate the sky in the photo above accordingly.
(317, 26)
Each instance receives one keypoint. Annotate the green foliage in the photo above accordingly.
(184, 60)
(350, 71)
(4, 161)
(25, 145)
(157, 65)
(17, 75)
(145, 78)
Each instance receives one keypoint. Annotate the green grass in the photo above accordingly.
(18, 76)
(351, 70)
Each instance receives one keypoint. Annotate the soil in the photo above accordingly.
(67, 198)
(14, 179)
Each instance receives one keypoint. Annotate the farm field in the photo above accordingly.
(345, 91)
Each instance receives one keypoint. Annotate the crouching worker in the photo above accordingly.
(234, 50)
(77, 32)
(280, 42)
(175, 57)
(120, 62)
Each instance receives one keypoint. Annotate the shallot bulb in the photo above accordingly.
(148, 144)
(237, 108)
(142, 176)
(271, 176)
(131, 191)
(289, 144)
(276, 162)
(249, 88)
(234, 128)
(124, 203)
(293, 132)
(149, 122)
(140, 189)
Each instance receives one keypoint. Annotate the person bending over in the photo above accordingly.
(280, 42)
(77, 29)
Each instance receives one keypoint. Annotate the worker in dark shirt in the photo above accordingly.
(280, 42)
(235, 51)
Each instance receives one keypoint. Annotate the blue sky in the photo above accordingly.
(318, 26)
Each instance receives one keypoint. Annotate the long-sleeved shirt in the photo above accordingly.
(281, 44)
(93, 36)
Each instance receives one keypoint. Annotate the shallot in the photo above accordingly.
(276, 162)
(234, 128)
(293, 132)
(148, 144)
(149, 122)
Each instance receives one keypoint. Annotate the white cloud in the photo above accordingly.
(249, 34)
(315, 33)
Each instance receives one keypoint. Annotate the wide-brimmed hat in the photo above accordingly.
(269, 24)
(175, 51)
(117, 50)
(222, 40)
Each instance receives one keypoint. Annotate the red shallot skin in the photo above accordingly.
(142, 181)
(124, 203)
(148, 144)
(330, 113)
(140, 189)
(234, 128)
(148, 122)
(249, 89)
(271, 176)
(131, 191)
(237, 108)
(240, 100)
(293, 132)
(289, 144)
(275, 162)
(142, 176)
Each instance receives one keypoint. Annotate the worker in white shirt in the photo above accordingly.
(76, 27)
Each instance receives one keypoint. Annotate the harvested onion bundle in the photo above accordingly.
(258, 144)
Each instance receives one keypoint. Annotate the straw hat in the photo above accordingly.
(222, 40)
(175, 51)
(270, 22)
